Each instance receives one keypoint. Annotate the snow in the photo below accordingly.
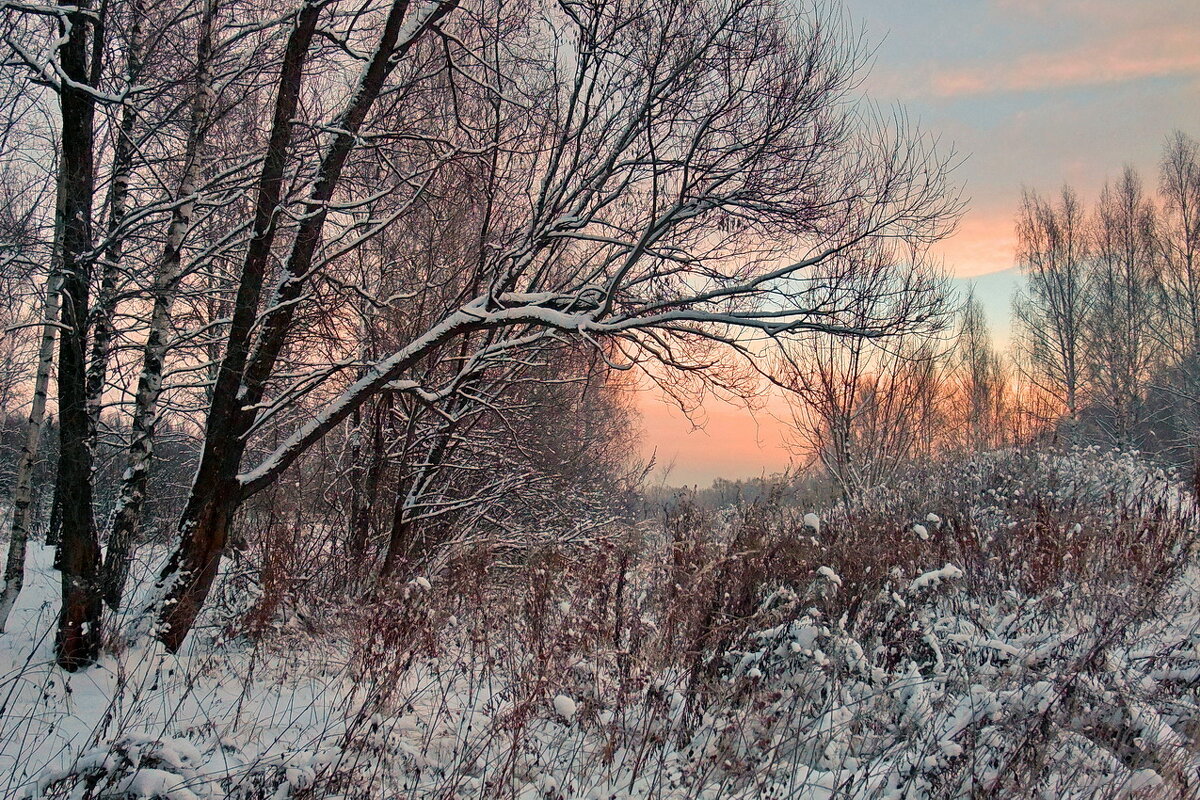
(932, 692)
(564, 707)
(829, 575)
(935, 577)
(155, 783)
(813, 522)
(1142, 779)
(283, 726)
(921, 531)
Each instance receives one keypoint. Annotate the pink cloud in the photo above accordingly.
(1146, 53)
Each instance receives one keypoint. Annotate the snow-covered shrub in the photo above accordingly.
(1020, 624)
(1007, 651)
(1006, 696)
(143, 766)
(1033, 518)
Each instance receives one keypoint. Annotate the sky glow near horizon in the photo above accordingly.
(1033, 93)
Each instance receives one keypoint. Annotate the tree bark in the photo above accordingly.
(77, 642)
(365, 480)
(54, 524)
(127, 515)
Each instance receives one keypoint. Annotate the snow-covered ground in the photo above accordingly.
(938, 686)
(163, 725)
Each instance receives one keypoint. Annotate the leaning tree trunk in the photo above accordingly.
(217, 492)
(14, 569)
(190, 570)
(78, 639)
(127, 515)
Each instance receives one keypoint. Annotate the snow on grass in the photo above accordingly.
(935, 577)
(936, 684)
(201, 717)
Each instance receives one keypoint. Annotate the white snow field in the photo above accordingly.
(943, 684)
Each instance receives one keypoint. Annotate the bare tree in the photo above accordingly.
(865, 404)
(525, 459)
(1051, 311)
(246, 364)
(670, 174)
(1179, 181)
(983, 383)
(862, 408)
(1124, 309)
(1178, 380)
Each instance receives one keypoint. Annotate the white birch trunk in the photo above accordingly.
(14, 570)
(127, 515)
(118, 209)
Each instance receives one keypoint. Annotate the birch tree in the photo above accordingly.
(1127, 277)
(1179, 184)
(1051, 311)
(22, 514)
(118, 209)
(126, 517)
(30, 228)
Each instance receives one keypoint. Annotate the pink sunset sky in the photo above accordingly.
(1034, 93)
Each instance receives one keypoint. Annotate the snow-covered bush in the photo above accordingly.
(1021, 624)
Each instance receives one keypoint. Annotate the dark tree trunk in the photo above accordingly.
(192, 569)
(399, 535)
(214, 497)
(216, 492)
(54, 524)
(409, 541)
(364, 483)
(78, 639)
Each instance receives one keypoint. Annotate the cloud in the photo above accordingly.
(1139, 55)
